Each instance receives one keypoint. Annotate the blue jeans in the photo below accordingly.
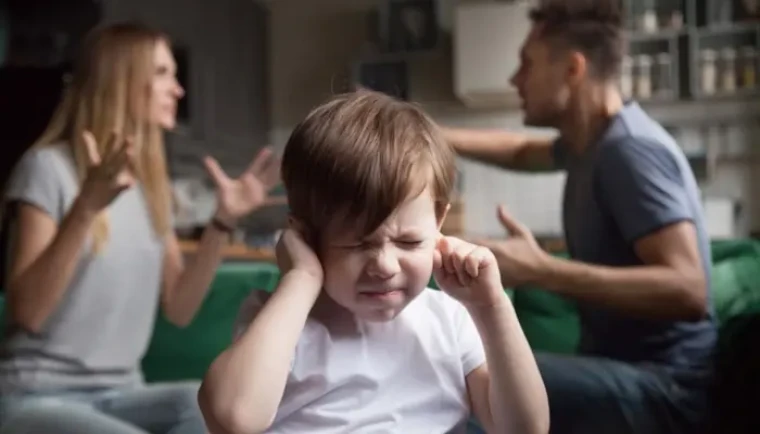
(599, 396)
(156, 408)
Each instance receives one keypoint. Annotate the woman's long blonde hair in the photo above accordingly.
(109, 93)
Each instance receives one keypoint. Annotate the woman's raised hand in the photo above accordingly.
(237, 197)
(109, 174)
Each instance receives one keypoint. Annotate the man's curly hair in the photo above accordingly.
(592, 27)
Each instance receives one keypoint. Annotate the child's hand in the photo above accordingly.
(293, 253)
(467, 272)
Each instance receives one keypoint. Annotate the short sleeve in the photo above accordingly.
(642, 186)
(471, 349)
(35, 181)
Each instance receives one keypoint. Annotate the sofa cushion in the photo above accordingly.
(186, 353)
(549, 321)
(735, 277)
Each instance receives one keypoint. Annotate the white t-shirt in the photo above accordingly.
(402, 376)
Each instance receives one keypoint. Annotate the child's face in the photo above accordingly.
(376, 276)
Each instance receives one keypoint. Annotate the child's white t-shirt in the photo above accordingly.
(402, 376)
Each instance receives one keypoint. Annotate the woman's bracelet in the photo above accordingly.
(221, 226)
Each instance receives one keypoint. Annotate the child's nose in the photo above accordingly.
(383, 265)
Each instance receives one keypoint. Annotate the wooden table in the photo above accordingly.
(241, 252)
(233, 252)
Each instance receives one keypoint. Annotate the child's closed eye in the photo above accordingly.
(407, 244)
(352, 246)
(410, 243)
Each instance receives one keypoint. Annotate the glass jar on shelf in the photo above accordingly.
(673, 20)
(647, 17)
(643, 88)
(663, 83)
(728, 70)
(708, 71)
(748, 67)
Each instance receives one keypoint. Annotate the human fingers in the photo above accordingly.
(260, 162)
(214, 170)
(91, 148)
(476, 260)
(506, 219)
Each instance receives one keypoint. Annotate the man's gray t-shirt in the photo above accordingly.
(99, 332)
(632, 182)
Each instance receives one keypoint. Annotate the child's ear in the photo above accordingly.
(298, 226)
(295, 224)
(442, 216)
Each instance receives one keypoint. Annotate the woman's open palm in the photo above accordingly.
(240, 196)
(109, 173)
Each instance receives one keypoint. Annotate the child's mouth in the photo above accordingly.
(381, 295)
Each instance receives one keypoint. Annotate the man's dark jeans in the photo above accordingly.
(599, 396)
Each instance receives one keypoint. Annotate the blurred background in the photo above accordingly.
(252, 69)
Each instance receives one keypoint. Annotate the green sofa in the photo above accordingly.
(550, 322)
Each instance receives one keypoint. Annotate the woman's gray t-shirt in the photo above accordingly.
(100, 331)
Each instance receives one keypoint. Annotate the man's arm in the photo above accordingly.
(244, 385)
(185, 287)
(671, 284)
(642, 187)
(504, 149)
(507, 393)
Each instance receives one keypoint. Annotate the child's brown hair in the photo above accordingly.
(353, 160)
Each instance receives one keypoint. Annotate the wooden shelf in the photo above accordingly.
(635, 37)
(701, 111)
(235, 252)
(698, 31)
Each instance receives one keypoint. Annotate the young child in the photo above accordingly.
(351, 340)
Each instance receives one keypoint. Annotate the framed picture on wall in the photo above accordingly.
(387, 76)
(412, 25)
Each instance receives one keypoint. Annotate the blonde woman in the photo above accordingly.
(93, 253)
